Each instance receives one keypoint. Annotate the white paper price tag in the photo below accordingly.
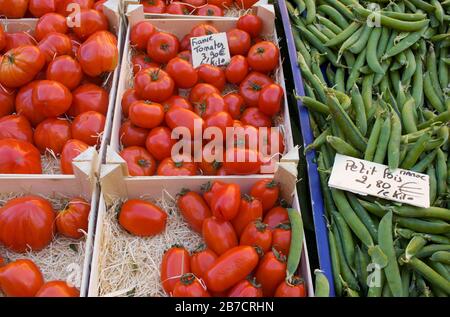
(368, 178)
(210, 49)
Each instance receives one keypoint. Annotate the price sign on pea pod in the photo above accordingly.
(368, 178)
(210, 49)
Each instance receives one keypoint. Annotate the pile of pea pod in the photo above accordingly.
(375, 76)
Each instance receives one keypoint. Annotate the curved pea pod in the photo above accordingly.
(409, 122)
(354, 74)
(444, 117)
(394, 142)
(342, 147)
(441, 174)
(414, 246)
(431, 172)
(343, 35)
(314, 41)
(404, 44)
(322, 288)
(360, 44)
(334, 15)
(418, 212)
(441, 256)
(295, 251)
(424, 226)
(383, 141)
(314, 105)
(417, 82)
(345, 270)
(373, 139)
(361, 265)
(310, 11)
(364, 216)
(440, 268)
(348, 245)
(360, 110)
(428, 250)
(318, 141)
(335, 263)
(371, 56)
(415, 152)
(425, 162)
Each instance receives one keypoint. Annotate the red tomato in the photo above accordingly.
(239, 42)
(245, 137)
(159, 143)
(281, 238)
(253, 116)
(21, 216)
(90, 21)
(250, 210)
(17, 39)
(145, 114)
(185, 44)
(250, 88)
(13, 9)
(140, 33)
(202, 30)
(195, 3)
(231, 267)
(210, 165)
(221, 120)
(226, 4)
(219, 235)
(73, 220)
(175, 262)
(182, 73)
(293, 288)
(142, 61)
(99, 5)
(200, 91)
(251, 24)
(70, 7)
(162, 47)
(271, 272)
(154, 84)
(55, 44)
(201, 261)
(273, 138)
(7, 98)
(142, 218)
(226, 201)
(179, 8)
(189, 286)
(19, 157)
(263, 57)
(99, 54)
(2, 38)
(16, 126)
(241, 161)
(19, 66)
(128, 97)
(131, 135)
(221, 172)
(210, 104)
(245, 4)
(21, 278)
(267, 191)
(154, 6)
(179, 117)
(246, 288)
(89, 97)
(237, 69)
(88, 127)
(193, 208)
(66, 70)
(25, 106)
(177, 102)
(210, 189)
(70, 151)
(57, 289)
(169, 167)
(186, 55)
(235, 104)
(210, 10)
(275, 216)
(270, 99)
(211, 74)
(48, 23)
(51, 98)
(139, 161)
(258, 234)
(40, 7)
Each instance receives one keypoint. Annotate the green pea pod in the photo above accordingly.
(425, 162)
(373, 139)
(423, 5)
(361, 265)
(404, 44)
(424, 226)
(408, 120)
(345, 270)
(429, 274)
(441, 118)
(354, 74)
(443, 69)
(383, 141)
(300, 46)
(441, 256)
(311, 78)
(360, 44)
(366, 92)
(334, 15)
(335, 263)
(322, 288)
(314, 41)
(310, 11)
(417, 82)
(330, 75)
(342, 147)
(410, 68)
(405, 16)
(428, 250)
(343, 35)
(339, 79)
(415, 152)
(439, 11)
(295, 251)
(363, 216)
(373, 208)
(440, 268)
(345, 234)
(318, 141)
(394, 142)
(314, 105)
(441, 173)
(431, 64)
(358, 106)
(328, 200)
(406, 279)
(431, 172)
(414, 246)
(329, 24)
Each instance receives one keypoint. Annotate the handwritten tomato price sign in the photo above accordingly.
(368, 178)
(210, 49)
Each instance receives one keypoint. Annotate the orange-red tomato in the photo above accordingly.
(210, 189)
(128, 97)
(239, 42)
(250, 210)
(25, 106)
(154, 6)
(13, 9)
(162, 47)
(237, 69)
(159, 143)
(281, 238)
(203, 29)
(257, 234)
(54, 45)
(226, 201)
(98, 5)
(26, 222)
(179, 8)
(212, 75)
(73, 220)
(88, 127)
(235, 104)
(189, 286)
(186, 55)
(246, 288)
(57, 289)
(263, 56)
(19, 66)
(40, 7)
(16, 126)
(65, 70)
(221, 120)
(219, 235)
(131, 135)
(177, 102)
(154, 84)
(231, 267)
(250, 161)
(99, 54)
(90, 21)
(255, 117)
(139, 161)
(51, 98)
(63, 6)
(145, 114)
(201, 261)
(293, 288)
(275, 216)
(267, 191)
(70, 151)
(140, 33)
(19, 157)
(17, 39)
(210, 104)
(200, 91)
(142, 218)
(271, 272)
(250, 23)
(169, 167)
(270, 99)
(226, 4)
(250, 88)
(210, 10)
(245, 4)
(2, 38)
(48, 23)
(175, 262)
(21, 278)
(89, 97)
(210, 165)
(179, 117)
(182, 72)
(7, 98)
(193, 208)
(142, 61)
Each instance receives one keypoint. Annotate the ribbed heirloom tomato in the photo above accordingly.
(250, 210)
(88, 127)
(90, 21)
(162, 47)
(193, 208)
(226, 201)
(210, 10)
(25, 106)
(140, 33)
(139, 161)
(250, 88)
(182, 73)
(13, 9)
(257, 234)
(22, 216)
(99, 54)
(263, 57)
(19, 157)
(248, 287)
(271, 271)
(237, 69)
(179, 8)
(2, 38)
(51, 98)
(17, 39)
(219, 235)
(48, 23)
(57, 289)
(16, 126)
(238, 41)
(21, 278)
(131, 135)
(63, 7)
(226, 4)
(54, 45)
(154, 6)
(250, 23)
(70, 151)
(201, 260)
(7, 98)
(180, 167)
(245, 4)
(128, 97)
(73, 220)
(65, 70)
(154, 84)
(293, 288)
(89, 97)
(267, 191)
(189, 286)
(159, 143)
(175, 262)
(142, 218)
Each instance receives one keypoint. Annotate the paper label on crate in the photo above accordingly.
(368, 178)
(210, 49)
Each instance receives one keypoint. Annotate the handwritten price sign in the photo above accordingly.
(368, 178)
(210, 49)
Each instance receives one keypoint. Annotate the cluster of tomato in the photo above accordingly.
(194, 7)
(244, 236)
(29, 223)
(51, 97)
(153, 108)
